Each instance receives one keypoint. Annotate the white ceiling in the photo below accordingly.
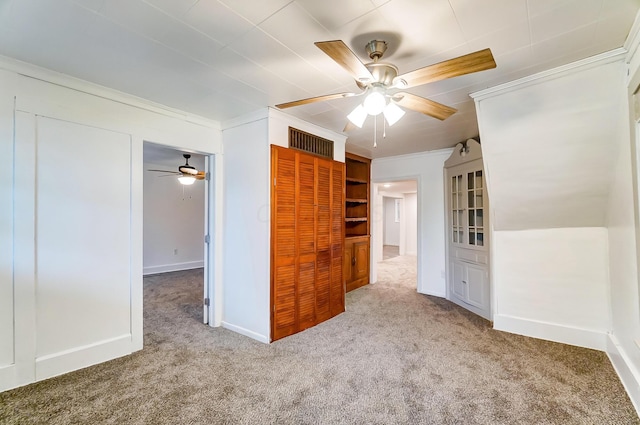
(394, 187)
(167, 158)
(224, 58)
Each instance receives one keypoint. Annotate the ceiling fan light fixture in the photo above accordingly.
(357, 116)
(375, 102)
(186, 180)
(393, 113)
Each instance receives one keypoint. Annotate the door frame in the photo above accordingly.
(212, 234)
(377, 235)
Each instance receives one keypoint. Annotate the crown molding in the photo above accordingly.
(601, 59)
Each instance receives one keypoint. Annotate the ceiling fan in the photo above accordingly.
(187, 174)
(383, 86)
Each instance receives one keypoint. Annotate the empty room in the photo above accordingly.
(195, 228)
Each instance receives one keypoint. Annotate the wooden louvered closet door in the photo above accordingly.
(307, 236)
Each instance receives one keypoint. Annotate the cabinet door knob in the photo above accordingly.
(353, 261)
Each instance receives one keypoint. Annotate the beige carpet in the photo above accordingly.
(395, 357)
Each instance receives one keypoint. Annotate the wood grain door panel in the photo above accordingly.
(307, 224)
(361, 253)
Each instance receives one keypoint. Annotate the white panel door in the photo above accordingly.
(459, 287)
(477, 286)
(83, 240)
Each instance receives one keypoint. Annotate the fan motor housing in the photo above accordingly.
(382, 72)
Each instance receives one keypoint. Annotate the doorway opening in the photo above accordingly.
(396, 232)
(174, 227)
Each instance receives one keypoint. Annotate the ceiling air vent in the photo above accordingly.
(316, 145)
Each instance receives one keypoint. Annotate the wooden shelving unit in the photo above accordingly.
(356, 221)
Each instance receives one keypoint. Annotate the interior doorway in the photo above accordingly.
(395, 225)
(174, 222)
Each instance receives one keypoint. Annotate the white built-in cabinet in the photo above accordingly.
(467, 229)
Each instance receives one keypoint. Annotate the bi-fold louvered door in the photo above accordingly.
(307, 236)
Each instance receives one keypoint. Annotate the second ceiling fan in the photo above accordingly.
(380, 81)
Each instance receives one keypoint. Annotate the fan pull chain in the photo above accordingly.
(384, 128)
(375, 132)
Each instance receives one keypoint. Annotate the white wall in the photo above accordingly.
(73, 212)
(427, 169)
(173, 220)
(391, 227)
(411, 223)
(552, 284)
(247, 248)
(623, 229)
(376, 212)
(545, 145)
(549, 163)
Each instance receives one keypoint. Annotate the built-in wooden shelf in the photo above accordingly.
(355, 180)
(355, 219)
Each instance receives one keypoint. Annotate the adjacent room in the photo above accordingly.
(396, 210)
(292, 211)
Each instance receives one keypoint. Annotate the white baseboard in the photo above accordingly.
(628, 374)
(432, 293)
(586, 338)
(80, 357)
(164, 268)
(246, 332)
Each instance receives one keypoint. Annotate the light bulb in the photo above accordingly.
(357, 116)
(186, 180)
(375, 102)
(393, 113)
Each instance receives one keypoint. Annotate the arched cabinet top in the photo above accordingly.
(464, 152)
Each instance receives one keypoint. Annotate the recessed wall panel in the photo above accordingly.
(82, 237)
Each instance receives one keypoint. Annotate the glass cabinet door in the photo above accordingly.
(467, 208)
(475, 209)
(457, 209)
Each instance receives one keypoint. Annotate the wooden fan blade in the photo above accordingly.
(340, 52)
(425, 106)
(188, 171)
(165, 171)
(200, 176)
(349, 126)
(313, 99)
(467, 64)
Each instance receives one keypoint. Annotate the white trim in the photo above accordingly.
(80, 357)
(136, 225)
(374, 238)
(633, 39)
(628, 374)
(298, 122)
(437, 152)
(32, 71)
(216, 260)
(587, 338)
(601, 59)
(164, 268)
(246, 332)
(259, 115)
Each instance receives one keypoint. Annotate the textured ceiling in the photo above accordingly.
(221, 59)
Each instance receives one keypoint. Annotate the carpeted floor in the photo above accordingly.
(395, 357)
(390, 251)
